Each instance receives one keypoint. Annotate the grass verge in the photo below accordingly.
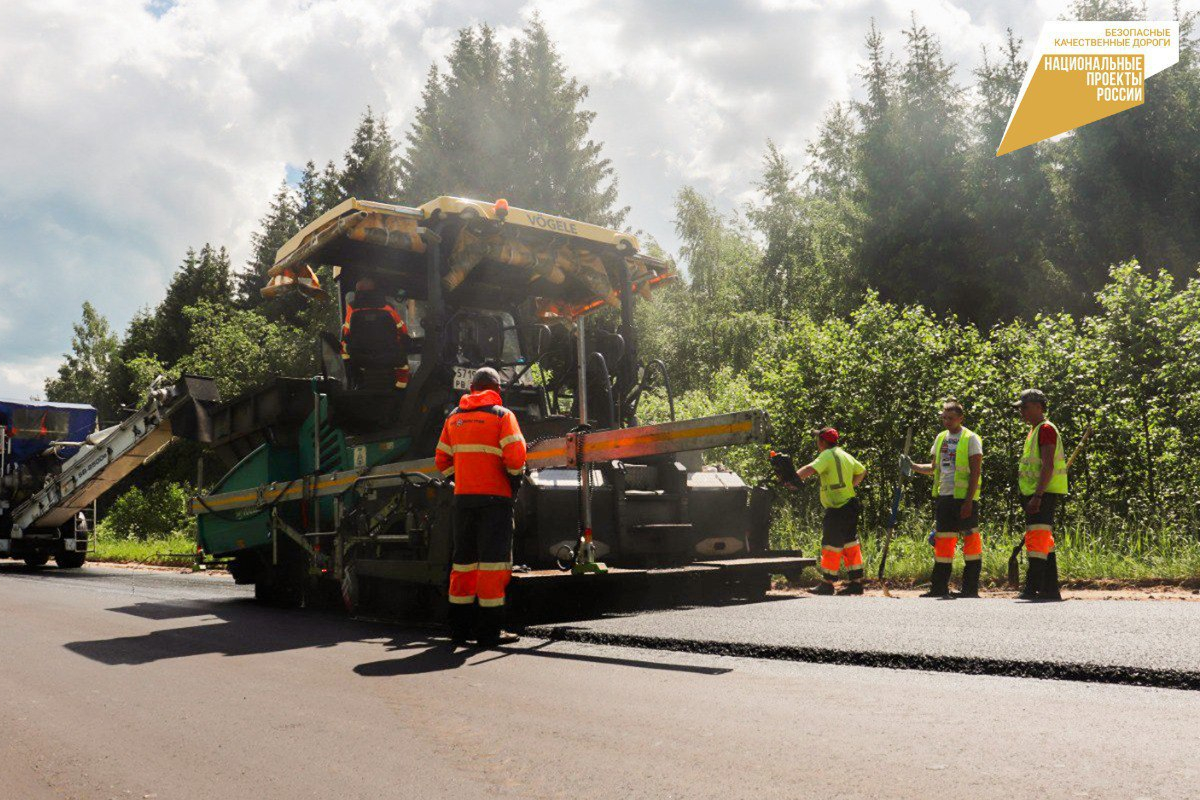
(1085, 554)
(175, 551)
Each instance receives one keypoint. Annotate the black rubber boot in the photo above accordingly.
(824, 588)
(461, 618)
(1049, 589)
(939, 585)
(970, 579)
(491, 633)
(851, 588)
(1034, 576)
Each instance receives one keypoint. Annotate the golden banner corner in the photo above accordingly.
(1085, 71)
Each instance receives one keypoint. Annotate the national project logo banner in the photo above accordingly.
(1085, 71)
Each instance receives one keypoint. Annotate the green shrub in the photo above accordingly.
(159, 512)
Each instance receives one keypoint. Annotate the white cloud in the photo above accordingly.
(130, 135)
(24, 378)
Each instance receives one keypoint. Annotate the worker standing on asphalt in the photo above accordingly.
(482, 449)
(839, 474)
(957, 462)
(1042, 481)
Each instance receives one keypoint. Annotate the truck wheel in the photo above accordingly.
(70, 560)
(37, 560)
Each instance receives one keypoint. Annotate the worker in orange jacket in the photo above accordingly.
(368, 302)
(483, 451)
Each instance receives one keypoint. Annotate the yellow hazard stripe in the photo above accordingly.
(478, 448)
(271, 496)
(668, 436)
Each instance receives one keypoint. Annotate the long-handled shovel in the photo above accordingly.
(897, 494)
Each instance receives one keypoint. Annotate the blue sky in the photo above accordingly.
(134, 130)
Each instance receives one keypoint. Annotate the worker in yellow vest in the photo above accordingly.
(956, 466)
(840, 474)
(1042, 480)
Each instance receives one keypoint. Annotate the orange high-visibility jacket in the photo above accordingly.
(481, 445)
(402, 374)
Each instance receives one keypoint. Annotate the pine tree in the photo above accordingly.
(329, 187)
(202, 276)
(916, 231)
(456, 144)
(565, 171)
(831, 157)
(371, 169)
(279, 225)
(509, 123)
(1011, 201)
(310, 202)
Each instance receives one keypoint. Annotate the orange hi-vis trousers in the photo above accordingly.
(482, 560)
(850, 555)
(1039, 540)
(839, 542)
(946, 542)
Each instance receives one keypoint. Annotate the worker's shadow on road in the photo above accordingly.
(430, 657)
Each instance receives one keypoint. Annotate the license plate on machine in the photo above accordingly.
(462, 378)
(463, 375)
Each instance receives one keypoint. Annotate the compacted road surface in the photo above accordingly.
(139, 684)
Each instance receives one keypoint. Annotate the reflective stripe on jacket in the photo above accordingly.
(1029, 470)
(481, 446)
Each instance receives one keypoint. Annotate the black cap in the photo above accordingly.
(485, 378)
(1031, 396)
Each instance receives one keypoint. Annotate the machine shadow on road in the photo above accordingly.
(20, 569)
(233, 628)
(241, 627)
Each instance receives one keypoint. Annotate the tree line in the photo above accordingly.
(900, 262)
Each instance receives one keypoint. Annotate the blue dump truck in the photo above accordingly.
(55, 462)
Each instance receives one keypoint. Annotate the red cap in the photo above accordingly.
(828, 435)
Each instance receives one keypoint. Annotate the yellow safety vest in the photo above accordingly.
(837, 484)
(1029, 470)
(962, 464)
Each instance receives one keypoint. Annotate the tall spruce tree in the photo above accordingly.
(310, 202)
(1011, 201)
(205, 275)
(915, 241)
(371, 170)
(509, 123)
(280, 224)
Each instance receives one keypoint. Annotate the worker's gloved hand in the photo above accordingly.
(515, 481)
(906, 468)
(785, 468)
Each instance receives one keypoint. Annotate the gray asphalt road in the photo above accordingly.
(151, 685)
(1135, 636)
